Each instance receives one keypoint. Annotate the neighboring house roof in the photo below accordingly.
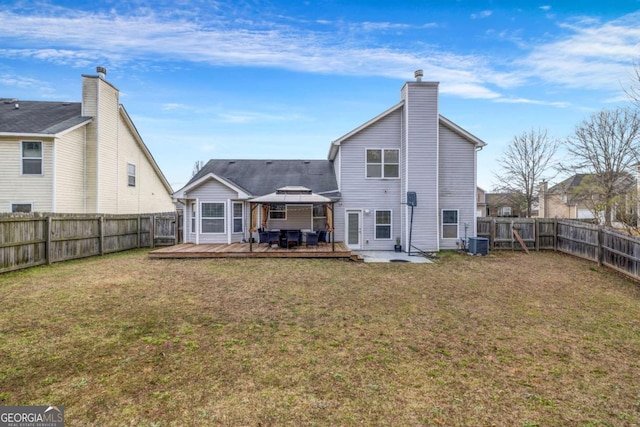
(261, 177)
(500, 199)
(625, 183)
(39, 117)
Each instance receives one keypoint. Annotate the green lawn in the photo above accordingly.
(504, 340)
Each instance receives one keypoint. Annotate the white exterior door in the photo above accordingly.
(353, 229)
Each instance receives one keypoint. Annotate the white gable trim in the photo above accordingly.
(144, 148)
(242, 194)
(463, 133)
(333, 150)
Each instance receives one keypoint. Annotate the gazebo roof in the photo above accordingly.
(292, 195)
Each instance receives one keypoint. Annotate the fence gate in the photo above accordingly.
(164, 230)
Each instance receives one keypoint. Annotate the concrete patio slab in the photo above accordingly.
(390, 256)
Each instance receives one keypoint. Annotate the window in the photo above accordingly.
(278, 211)
(193, 217)
(383, 225)
(383, 163)
(504, 211)
(212, 216)
(238, 217)
(31, 158)
(319, 217)
(131, 174)
(449, 224)
(21, 207)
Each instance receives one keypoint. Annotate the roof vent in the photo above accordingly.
(17, 106)
(268, 162)
(418, 75)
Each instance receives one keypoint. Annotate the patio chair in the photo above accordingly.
(264, 237)
(274, 237)
(312, 239)
(322, 236)
(293, 238)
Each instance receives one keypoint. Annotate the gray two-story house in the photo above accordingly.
(360, 192)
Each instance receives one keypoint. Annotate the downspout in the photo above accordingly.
(53, 178)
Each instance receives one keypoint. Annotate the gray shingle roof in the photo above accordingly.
(260, 177)
(39, 117)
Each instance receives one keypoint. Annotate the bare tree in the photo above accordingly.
(196, 167)
(526, 160)
(633, 90)
(606, 145)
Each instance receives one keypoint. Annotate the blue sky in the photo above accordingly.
(282, 79)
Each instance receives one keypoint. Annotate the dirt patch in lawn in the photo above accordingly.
(504, 340)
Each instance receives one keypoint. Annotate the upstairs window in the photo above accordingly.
(31, 158)
(383, 163)
(131, 174)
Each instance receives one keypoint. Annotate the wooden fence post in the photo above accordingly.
(139, 231)
(599, 238)
(47, 245)
(152, 231)
(101, 232)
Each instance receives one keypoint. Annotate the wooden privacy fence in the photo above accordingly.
(605, 246)
(30, 240)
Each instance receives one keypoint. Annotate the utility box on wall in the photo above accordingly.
(478, 245)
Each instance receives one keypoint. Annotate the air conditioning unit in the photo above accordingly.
(478, 245)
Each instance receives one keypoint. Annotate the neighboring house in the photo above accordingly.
(409, 148)
(77, 157)
(481, 202)
(503, 204)
(566, 200)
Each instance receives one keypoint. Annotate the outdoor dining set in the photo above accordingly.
(292, 238)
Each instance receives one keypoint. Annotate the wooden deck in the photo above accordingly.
(241, 250)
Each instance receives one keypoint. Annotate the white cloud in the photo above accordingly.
(481, 15)
(594, 55)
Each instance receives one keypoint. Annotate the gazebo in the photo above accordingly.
(291, 195)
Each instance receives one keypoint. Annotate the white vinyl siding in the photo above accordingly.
(383, 225)
(31, 158)
(212, 217)
(238, 217)
(18, 188)
(70, 183)
(458, 188)
(364, 194)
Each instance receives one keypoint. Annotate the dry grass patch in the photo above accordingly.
(504, 340)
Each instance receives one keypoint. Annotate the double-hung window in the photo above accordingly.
(212, 217)
(31, 158)
(383, 225)
(131, 174)
(278, 211)
(382, 163)
(450, 224)
(238, 217)
(319, 217)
